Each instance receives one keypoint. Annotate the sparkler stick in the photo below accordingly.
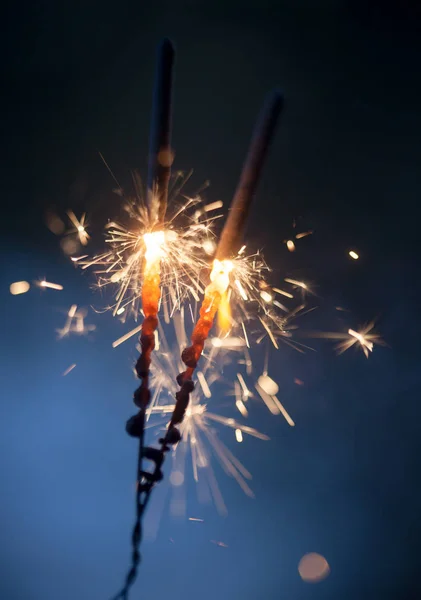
(229, 244)
(236, 222)
(158, 178)
(160, 154)
(160, 159)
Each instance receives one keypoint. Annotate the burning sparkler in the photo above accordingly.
(229, 245)
(160, 263)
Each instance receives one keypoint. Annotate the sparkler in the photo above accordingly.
(159, 171)
(160, 160)
(228, 246)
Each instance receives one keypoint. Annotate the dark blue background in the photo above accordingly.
(345, 481)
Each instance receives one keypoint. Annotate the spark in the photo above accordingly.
(75, 323)
(126, 336)
(300, 284)
(290, 245)
(49, 285)
(268, 400)
(204, 384)
(268, 385)
(246, 392)
(283, 410)
(19, 287)
(304, 234)
(266, 297)
(283, 293)
(365, 338)
(69, 369)
(228, 342)
(79, 227)
(239, 435)
(196, 519)
(353, 255)
(241, 408)
(220, 544)
(241, 289)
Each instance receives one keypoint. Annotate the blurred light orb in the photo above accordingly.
(353, 255)
(313, 567)
(268, 385)
(176, 478)
(19, 287)
(69, 245)
(54, 223)
(209, 247)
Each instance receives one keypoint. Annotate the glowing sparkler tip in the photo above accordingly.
(154, 243)
(353, 255)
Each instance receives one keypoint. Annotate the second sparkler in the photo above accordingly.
(229, 245)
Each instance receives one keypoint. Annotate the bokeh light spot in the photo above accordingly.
(19, 287)
(176, 478)
(313, 567)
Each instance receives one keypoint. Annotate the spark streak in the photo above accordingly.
(49, 285)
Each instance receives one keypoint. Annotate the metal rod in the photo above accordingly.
(235, 225)
(160, 153)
